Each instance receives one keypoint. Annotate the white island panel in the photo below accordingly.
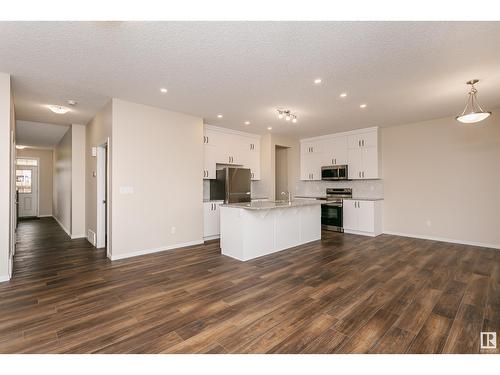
(253, 231)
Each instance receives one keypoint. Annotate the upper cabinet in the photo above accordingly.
(358, 149)
(228, 147)
(364, 155)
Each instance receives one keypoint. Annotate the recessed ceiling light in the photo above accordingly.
(317, 81)
(72, 102)
(362, 106)
(269, 128)
(20, 147)
(219, 116)
(59, 109)
(247, 122)
(343, 95)
(163, 90)
(294, 120)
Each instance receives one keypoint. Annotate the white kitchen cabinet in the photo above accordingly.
(364, 155)
(334, 151)
(209, 162)
(362, 217)
(229, 147)
(311, 157)
(211, 219)
(359, 149)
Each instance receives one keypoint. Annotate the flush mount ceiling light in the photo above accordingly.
(59, 109)
(269, 128)
(247, 122)
(473, 111)
(317, 81)
(343, 95)
(362, 106)
(219, 116)
(72, 102)
(287, 115)
(163, 90)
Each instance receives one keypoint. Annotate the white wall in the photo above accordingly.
(7, 122)
(97, 133)
(78, 181)
(61, 209)
(442, 180)
(158, 154)
(45, 177)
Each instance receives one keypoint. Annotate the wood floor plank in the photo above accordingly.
(343, 294)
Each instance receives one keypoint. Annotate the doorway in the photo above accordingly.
(102, 197)
(27, 173)
(281, 172)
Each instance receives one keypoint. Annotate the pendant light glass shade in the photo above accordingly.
(473, 112)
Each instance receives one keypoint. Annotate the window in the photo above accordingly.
(23, 180)
(33, 162)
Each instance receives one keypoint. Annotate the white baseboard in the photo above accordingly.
(443, 239)
(369, 234)
(45, 215)
(156, 250)
(75, 236)
(4, 278)
(209, 238)
(62, 226)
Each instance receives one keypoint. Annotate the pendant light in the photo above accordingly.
(473, 111)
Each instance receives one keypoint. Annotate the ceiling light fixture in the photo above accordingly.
(317, 81)
(163, 90)
(219, 116)
(247, 122)
(59, 109)
(287, 115)
(20, 147)
(473, 111)
(269, 128)
(343, 95)
(362, 106)
(72, 102)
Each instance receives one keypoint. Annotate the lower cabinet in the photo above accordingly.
(211, 222)
(362, 217)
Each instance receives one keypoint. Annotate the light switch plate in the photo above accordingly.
(126, 190)
(94, 151)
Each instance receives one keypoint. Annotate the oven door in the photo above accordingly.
(331, 216)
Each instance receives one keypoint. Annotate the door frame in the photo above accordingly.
(37, 179)
(103, 191)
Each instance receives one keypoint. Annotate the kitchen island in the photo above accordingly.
(253, 229)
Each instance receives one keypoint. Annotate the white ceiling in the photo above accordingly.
(404, 71)
(36, 134)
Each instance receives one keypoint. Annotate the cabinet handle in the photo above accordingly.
(363, 173)
(335, 161)
(363, 143)
(359, 143)
(359, 174)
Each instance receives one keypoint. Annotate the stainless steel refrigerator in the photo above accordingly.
(232, 185)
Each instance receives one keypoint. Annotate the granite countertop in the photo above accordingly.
(259, 198)
(271, 205)
(212, 200)
(364, 199)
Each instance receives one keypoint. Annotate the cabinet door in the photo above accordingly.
(369, 139)
(369, 157)
(350, 214)
(355, 163)
(334, 151)
(354, 141)
(366, 216)
(210, 219)
(305, 166)
(252, 161)
(209, 160)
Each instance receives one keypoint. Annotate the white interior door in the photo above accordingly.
(27, 185)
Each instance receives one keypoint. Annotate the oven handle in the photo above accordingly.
(332, 204)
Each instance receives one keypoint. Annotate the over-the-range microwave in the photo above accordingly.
(334, 172)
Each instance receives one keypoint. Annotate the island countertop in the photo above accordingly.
(256, 205)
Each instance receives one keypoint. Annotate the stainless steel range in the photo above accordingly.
(332, 208)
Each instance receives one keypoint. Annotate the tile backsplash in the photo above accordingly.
(360, 188)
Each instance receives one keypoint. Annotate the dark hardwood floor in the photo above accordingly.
(345, 294)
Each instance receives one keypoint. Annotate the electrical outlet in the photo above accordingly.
(173, 230)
